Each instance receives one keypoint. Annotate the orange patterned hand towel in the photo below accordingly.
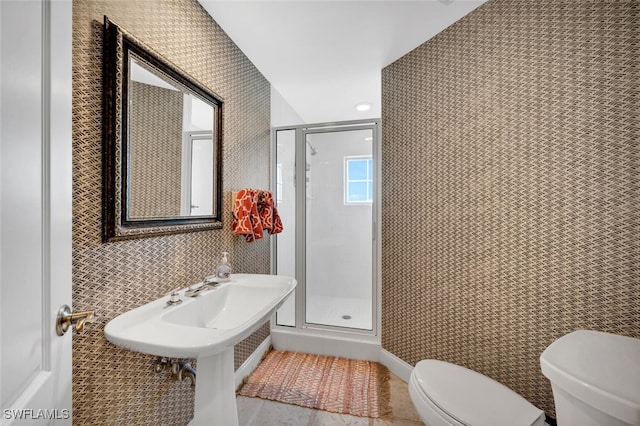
(271, 221)
(254, 212)
(246, 220)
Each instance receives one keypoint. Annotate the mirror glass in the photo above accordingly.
(171, 149)
(162, 135)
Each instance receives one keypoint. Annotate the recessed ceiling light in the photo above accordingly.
(363, 106)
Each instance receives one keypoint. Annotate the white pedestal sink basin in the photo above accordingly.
(205, 327)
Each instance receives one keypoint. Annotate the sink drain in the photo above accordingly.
(347, 317)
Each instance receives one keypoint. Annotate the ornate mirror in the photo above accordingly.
(162, 135)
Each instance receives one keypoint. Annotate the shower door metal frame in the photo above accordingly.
(301, 131)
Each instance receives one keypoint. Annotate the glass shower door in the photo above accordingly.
(325, 185)
(285, 193)
(339, 196)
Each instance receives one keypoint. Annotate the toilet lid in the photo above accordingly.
(472, 398)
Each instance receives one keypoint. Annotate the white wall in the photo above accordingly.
(281, 112)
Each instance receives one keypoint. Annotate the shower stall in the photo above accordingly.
(326, 189)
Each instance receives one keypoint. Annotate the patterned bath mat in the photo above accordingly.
(340, 385)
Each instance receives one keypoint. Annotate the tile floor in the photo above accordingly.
(256, 412)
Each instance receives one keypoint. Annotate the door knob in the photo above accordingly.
(66, 318)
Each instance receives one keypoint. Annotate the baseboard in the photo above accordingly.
(324, 345)
(252, 362)
(397, 366)
(350, 346)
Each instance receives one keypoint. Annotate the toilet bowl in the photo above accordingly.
(595, 378)
(446, 394)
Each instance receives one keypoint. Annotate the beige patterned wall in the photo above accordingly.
(511, 187)
(116, 386)
(155, 151)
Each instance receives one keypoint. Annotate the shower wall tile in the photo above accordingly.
(511, 187)
(113, 386)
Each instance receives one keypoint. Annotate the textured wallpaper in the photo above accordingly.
(155, 151)
(112, 385)
(511, 187)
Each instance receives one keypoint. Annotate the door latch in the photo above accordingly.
(65, 319)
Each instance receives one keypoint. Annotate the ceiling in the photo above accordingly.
(324, 56)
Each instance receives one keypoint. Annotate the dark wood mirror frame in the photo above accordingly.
(116, 224)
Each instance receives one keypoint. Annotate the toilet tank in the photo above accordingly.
(595, 378)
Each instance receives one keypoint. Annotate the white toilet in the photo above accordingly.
(595, 379)
(446, 394)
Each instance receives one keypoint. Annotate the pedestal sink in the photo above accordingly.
(205, 327)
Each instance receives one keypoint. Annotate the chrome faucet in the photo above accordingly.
(207, 284)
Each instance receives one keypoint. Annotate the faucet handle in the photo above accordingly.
(174, 297)
(210, 279)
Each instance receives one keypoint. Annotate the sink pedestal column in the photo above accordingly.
(215, 391)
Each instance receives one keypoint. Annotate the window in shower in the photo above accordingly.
(358, 180)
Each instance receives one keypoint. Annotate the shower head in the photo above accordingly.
(313, 150)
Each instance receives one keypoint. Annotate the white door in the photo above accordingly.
(35, 210)
(202, 175)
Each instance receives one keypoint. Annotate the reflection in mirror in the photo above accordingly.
(199, 175)
(171, 155)
(163, 138)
